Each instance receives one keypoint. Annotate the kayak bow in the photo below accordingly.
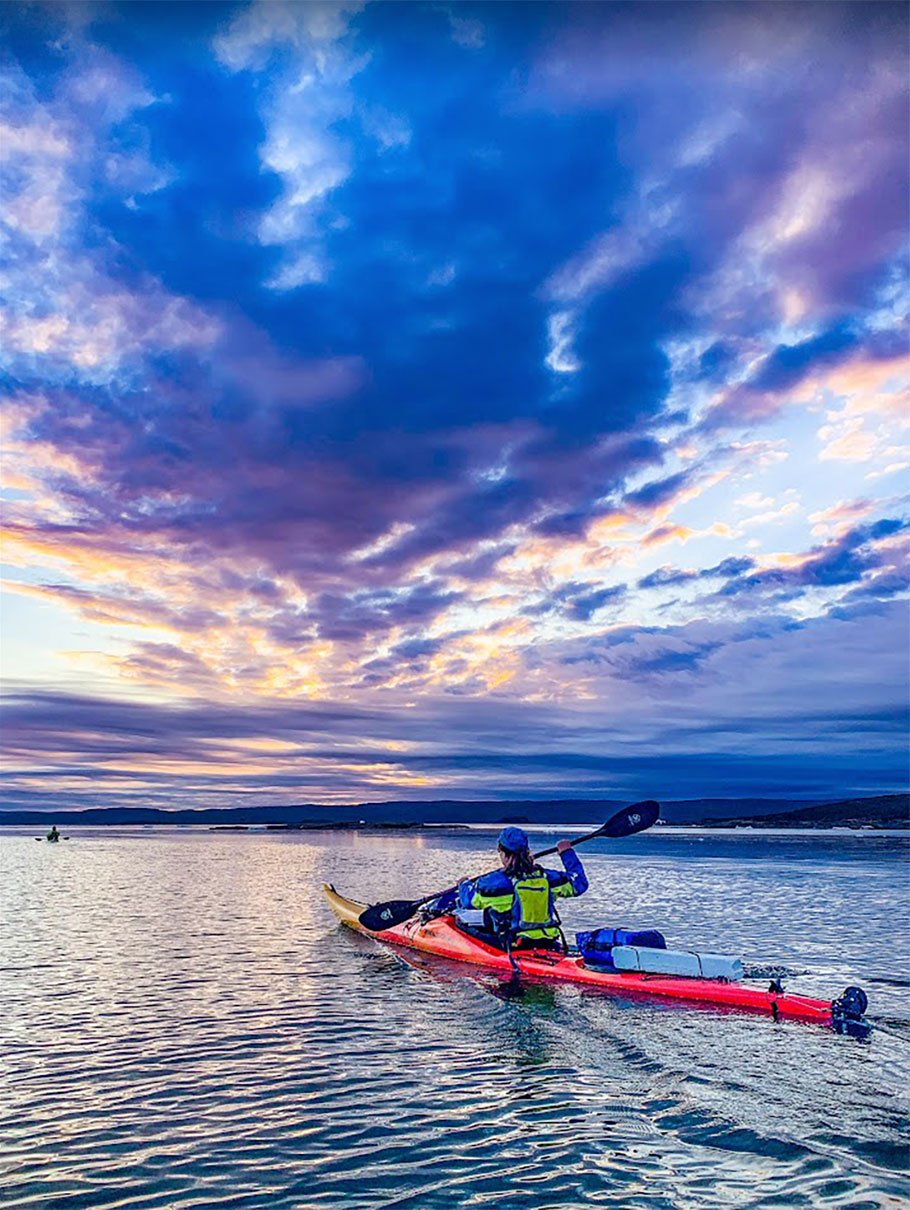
(442, 936)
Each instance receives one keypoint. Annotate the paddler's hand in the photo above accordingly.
(563, 846)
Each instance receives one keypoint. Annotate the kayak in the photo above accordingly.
(442, 936)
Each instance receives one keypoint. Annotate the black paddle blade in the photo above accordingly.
(633, 819)
(383, 916)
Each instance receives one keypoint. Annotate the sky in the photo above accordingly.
(437, 400)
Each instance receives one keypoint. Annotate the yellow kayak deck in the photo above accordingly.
(347, 910)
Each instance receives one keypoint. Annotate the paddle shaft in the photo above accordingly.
(578, 840)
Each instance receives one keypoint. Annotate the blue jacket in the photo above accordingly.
(493, 890)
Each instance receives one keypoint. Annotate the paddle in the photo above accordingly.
(629, 820)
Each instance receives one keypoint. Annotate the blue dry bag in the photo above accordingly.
(596, 947)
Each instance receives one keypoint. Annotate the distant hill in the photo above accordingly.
(882, 811)
(314, 814)
(698, 810)
(885, 810)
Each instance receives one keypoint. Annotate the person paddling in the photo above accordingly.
(378, 917)
(53, 834)
(521, 896)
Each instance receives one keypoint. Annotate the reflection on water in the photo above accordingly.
(185, 1026)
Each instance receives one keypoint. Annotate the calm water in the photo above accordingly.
(183, 1025)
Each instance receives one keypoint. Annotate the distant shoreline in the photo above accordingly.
(882, 811)
(744, 831)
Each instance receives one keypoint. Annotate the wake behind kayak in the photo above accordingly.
(443, 936)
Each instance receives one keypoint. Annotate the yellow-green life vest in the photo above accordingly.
(535, 916)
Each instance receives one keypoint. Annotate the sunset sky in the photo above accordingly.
(453, 401)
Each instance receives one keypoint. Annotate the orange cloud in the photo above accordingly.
(668, 533)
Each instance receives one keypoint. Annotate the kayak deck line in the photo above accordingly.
(441, 936)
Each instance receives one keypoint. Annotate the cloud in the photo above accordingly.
(260, 29)
(734, 730)
(844, 560)
(665, 577)
(371, 612)
(838, 518)
(814, 371)
(379, 357)
(786, 222)
(66, 317)
(659, 492)
(306, 104)
(578, 601)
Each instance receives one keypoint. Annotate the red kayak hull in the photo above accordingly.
(442, 937)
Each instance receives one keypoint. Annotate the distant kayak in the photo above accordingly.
(443, 936)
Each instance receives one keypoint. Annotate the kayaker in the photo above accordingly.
(523, 894)
(53, 834)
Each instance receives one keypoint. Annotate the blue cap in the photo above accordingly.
(513, 840)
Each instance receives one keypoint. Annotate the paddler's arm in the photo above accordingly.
(447, 902)
(574, 881)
